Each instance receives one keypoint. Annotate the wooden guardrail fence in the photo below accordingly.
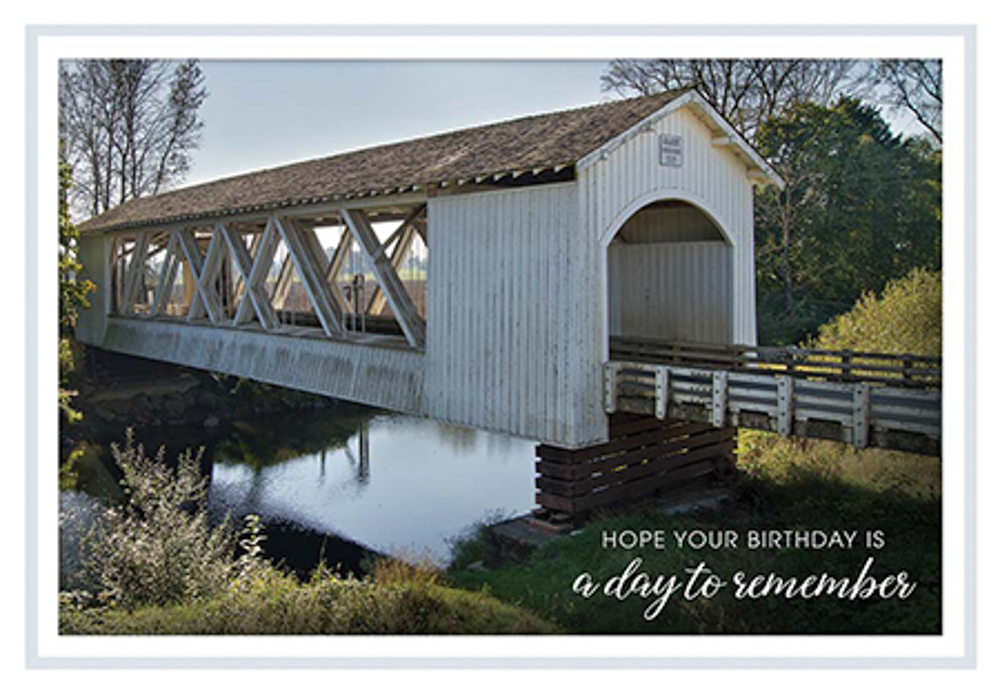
(865, 399)
(897, 370)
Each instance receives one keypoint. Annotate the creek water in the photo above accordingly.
(337, 485)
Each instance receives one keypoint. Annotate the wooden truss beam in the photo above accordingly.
(388, 280)
(302, 243)
(254, 295)
(336, 263)
(283, 284)
(136, 268)
(168, 274)
(405, 233)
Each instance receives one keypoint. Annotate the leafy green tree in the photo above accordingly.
(72, 289)
(861, 205)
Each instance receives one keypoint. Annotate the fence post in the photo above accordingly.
(862, 414)
(662, 391)
(720, 387)
(786, 394)
(611, 387)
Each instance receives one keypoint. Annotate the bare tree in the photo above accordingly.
(913, 86)
(129, 127)
(746, 92)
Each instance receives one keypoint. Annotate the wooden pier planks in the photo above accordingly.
(643, 456)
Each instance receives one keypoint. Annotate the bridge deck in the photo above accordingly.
(866, 399)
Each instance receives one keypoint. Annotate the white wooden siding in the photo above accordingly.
(504, 327)
(391, 378)
(95, 257)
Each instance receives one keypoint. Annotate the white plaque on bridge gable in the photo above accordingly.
(671, 150)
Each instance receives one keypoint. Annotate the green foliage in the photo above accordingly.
(397, 598)
(69, 372)
(72, 289)
(905, 318)
(159, 547)
(67, 414)
(862, 205)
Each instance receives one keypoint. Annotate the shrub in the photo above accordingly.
(905, 318)
(159, 547)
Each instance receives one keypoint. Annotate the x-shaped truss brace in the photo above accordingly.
(388, 280)
(252, 266)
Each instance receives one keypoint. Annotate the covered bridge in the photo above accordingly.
(481, 277)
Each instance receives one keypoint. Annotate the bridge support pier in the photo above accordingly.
(643, 458)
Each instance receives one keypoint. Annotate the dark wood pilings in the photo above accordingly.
(644, 457)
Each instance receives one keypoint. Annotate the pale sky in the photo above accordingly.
(262, 114)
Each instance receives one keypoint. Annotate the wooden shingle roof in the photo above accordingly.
(535, 142)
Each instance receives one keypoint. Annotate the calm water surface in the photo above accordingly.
(318, 493)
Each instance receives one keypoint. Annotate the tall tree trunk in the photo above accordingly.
(786, 242)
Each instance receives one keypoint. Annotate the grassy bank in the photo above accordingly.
(785, 485)
(393, 601)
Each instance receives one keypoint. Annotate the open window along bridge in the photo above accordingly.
(863, 398)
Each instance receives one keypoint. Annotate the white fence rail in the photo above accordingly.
(862, 414)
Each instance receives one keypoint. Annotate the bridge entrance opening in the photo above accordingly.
(670, 277)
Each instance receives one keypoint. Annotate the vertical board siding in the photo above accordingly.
(671, 291)
(502, 342)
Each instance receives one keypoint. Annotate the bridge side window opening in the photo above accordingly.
(349, 277)
(137, 268)
(362, 296)
(245, 275)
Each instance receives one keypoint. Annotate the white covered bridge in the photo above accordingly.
(536, 277)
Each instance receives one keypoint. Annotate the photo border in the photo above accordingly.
(38, 298)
